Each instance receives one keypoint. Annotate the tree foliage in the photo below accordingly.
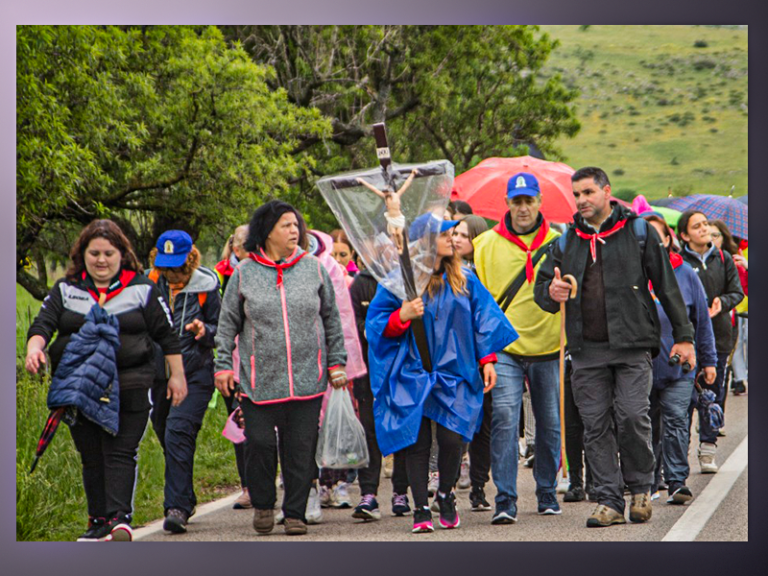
(151, 126)
(457, 92)
(192, 127)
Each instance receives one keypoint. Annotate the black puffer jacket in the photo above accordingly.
(720, 278)
(629, 307)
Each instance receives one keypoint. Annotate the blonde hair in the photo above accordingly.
(235, 240)
(455, 275)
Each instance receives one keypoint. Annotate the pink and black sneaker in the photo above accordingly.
(449, 516)
(422, 520)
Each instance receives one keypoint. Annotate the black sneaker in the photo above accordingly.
(477, 499)
(575, 494)
(449, 516)
(97, 529)
(506, 512)
(739, 388)
(422, 520)
(176, 521)
(400, 505)
(662, 486)
(679, 494)
(118, 529)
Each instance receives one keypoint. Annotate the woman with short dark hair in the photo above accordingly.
(104, 269)
(280, 304)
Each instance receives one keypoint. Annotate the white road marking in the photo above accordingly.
(205, 509)
(701, 509)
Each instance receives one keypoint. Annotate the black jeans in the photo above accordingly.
(231, 404)
(574, 437)
(480, 447)
(297, 425)
(417, 461)
(109, 462)
(369, 477)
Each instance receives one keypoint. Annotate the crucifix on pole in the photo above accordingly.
(380, 234)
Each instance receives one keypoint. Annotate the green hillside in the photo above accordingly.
(661, 106)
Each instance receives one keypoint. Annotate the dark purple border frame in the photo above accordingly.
(368, 558)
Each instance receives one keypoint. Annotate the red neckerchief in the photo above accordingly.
(676, 260)
(290, 261)
(225, 267)
(593, 238)
(117, 285)
(538, 240)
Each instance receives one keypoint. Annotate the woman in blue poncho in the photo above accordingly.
(464, 328)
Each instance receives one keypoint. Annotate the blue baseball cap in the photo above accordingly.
(427, 223)
(173, 246)
(523, 184)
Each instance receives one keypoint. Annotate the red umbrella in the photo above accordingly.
(484, 187)
(48, 431)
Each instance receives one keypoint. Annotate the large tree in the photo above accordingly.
(151, 126)
(463, 92)
(457, 92)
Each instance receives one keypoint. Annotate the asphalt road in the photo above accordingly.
(716, 514)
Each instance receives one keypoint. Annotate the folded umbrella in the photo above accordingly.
(709, 408)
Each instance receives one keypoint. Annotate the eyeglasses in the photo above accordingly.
(716, 234)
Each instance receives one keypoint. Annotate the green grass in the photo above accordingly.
(50, 503)
(661, 112)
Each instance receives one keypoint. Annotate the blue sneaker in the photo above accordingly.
(368, 509)
(506, 512)
(548, 504)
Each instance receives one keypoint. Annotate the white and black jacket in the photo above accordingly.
(143, 316)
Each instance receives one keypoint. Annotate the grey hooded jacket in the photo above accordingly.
(288, 325)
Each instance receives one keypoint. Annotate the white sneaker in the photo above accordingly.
(464, 481)
(434, 483)
(314, 513)
(279, 517)
(326, 497)
(707, 453)
(562, 483)
(341, 496)
(655, 495)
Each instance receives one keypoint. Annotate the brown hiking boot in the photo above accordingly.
(605, 516)
(263, 520)
(295, 527)
(243, 501)
(640, 510)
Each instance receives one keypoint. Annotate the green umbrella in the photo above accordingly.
(670, 215)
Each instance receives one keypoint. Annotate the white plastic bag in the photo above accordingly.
(341, 443)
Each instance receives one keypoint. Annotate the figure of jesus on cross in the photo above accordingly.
(393, 215)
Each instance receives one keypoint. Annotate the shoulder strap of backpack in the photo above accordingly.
(640, 227)
(514, 287)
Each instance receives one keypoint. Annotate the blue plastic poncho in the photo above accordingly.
(460, 332)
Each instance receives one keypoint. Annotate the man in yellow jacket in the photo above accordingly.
(507, 258)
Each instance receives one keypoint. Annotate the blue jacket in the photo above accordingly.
(460, 332)
(696, 307)
(86, 375)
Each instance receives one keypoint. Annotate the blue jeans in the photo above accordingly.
(505, 424)
(672, 445)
